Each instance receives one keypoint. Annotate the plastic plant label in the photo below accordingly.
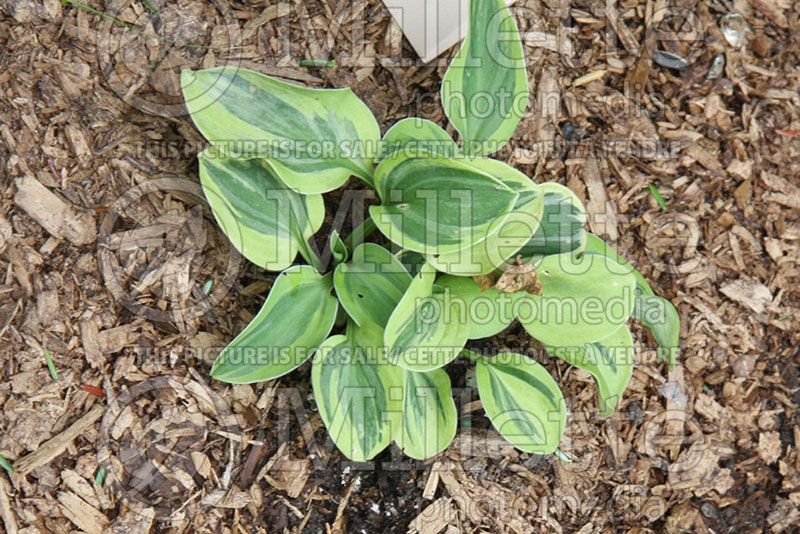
(431, 26)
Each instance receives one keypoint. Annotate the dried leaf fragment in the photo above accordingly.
(519, 276)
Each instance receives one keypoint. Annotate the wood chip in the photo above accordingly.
(590, 77)
(138, 519)
(6, 512)
(91, 343)
(434, 518)
(432, 483)
(754, 295)
(697, 469)
(769, 447)
(772, 10)
(83, 515)
(340, 522)
(201, 463)
(58, 444)
(57, 216)
(233, 498)
(80, 486)
(270, 13)
(601, 212)
(789, 194)
(292, 475)
(548, 41)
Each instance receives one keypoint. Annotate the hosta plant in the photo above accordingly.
(465, 246)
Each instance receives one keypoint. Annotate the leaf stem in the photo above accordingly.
(310, 256)
(468, 354)
(360, 233)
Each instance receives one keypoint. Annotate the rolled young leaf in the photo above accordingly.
(657, 313)
(265, 220)
(561, 229)
(371, 284)
(436, 205)
(485, 89)
(357, 391)
(610, 362)
(339, 252)
(513, 232)
(429, 417)
(314, 138)
(416, 134)
(522, 401)
(582, 300)
(296, 317)
(425, 331)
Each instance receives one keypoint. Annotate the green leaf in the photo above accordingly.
(425, 332)
(353, 385)
(412, 261)
(429, 417)
(657, 195)
(315, 139)
(595, 245)
(610, 362)
(662, 319)
(523, 401)
(296, 317)
(485, 89)
(582, 300)
(512, 233)
(5, 464)
(561, 229)
(265, 220)
(50, 364)
(371, 284)
(656, 313)
(416, 134)
(435, 205)
(339, 251)
(487, 312)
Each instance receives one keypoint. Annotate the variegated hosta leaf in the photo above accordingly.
(296, 317)
(582, 300)
(485, 89)
(513, 233)
(425, 331)
(561, 229)
(265, 220)
(657, 313)
(610, 362)
(487, 312)
(416, 134)
(436, 205)
(522, 401)
(371, 284)
(314, 138)
(357, 391)
(429, 418)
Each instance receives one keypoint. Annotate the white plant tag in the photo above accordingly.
(431, 26)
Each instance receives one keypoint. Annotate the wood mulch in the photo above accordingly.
(129, 286)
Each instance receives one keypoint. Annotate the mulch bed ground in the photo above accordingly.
(111, 266)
